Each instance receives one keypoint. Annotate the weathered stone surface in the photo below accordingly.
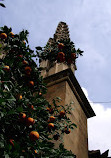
(76, 141)
(52, 68)
(62, 83)
(67, 88)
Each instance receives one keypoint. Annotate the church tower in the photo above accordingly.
(61, 82)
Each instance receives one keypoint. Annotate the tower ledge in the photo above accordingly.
(67, 75)
(49, 68)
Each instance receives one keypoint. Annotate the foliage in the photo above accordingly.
(2, 5)
(21, 97)
(52, 52)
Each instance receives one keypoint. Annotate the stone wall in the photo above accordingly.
(76, 141)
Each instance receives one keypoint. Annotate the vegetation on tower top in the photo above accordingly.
(60, 48)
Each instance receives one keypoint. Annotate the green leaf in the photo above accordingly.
(2, 5)
(1, 45)
(1, 114)
(19, 109)
(6, 156)
(1, 100)
(38, 48)
(74, 125)
(6, 87)
(11, 112)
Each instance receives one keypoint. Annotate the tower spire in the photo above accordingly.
(61, 33)
(59, 52)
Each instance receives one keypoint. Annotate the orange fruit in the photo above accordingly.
(28, 70)
(52, 118)
(24, 42)
(51, 125)
(11, 142)
(50, 110)
(22, 115)
(21, 56)
(35, 151)
(3, 35)
(19, 96)
(25, 62)
(61, 57)
(34, 135)
(60, 45)
(12, 34)
(73, 56)
(31, 107)
(6, 68)
(30, 121)
(31, 83)
(40, 93)
(67, 131)
(62, 113)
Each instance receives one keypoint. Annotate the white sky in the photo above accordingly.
(99, 127)
(90, 29)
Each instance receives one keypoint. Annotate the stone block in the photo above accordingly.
(53, 68)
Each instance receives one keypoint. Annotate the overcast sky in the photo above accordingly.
(89, 23)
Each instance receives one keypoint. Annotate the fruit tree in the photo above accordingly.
(29, 125)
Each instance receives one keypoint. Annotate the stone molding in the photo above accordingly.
(49, 68)
(67, 75)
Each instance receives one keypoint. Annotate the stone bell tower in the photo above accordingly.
(62, 82)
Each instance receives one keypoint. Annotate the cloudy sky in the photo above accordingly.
(90, 29)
